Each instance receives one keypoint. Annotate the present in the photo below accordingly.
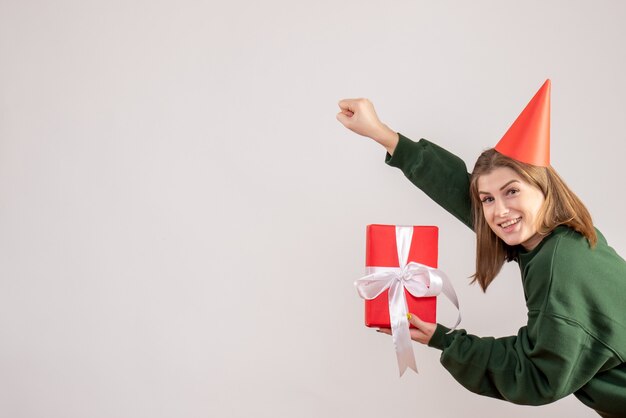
(402, 277)
(381, 251)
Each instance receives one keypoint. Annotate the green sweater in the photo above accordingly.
(575, 338)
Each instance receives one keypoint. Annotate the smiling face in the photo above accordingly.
(511, 206)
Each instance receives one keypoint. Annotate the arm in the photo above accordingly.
(440, 174)
(549, 359)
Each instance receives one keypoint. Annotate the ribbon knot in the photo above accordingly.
(405, 274)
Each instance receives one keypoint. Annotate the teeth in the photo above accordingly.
(509, 223)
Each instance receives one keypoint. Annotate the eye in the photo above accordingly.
(512, 191)
(487, 199)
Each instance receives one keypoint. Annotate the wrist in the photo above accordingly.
(440, 338)
(385, 136)
(388, 138)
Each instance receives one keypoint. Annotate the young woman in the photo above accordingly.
(574, 282)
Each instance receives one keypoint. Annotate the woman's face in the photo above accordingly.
(510, 206)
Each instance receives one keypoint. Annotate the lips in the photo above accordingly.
(510, 222)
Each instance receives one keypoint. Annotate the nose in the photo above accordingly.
(501, 208)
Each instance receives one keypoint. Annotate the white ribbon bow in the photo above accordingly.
(419, 280)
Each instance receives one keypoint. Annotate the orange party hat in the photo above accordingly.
(528, 139)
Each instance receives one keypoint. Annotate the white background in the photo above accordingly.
(182, 218)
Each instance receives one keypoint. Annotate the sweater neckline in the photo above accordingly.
(527, 255)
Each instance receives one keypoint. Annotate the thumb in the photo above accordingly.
(415, 320)
(343, 118)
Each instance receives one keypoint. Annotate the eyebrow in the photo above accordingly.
(508, 182)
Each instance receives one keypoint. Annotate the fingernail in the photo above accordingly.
(408, 316)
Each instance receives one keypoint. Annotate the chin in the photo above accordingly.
(511, 241)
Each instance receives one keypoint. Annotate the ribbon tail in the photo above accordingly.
(404, 350)
(448, 290)
(400, 328)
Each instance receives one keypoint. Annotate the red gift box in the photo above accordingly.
(381, 251)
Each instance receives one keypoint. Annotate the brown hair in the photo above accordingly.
(561, 207)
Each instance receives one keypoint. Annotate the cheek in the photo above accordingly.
(487, 215)
(537, 204)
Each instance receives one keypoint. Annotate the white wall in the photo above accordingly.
(182, 218)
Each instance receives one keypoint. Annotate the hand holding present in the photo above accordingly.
(422, 333)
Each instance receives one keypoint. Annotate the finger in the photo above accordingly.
(348, 104)
(345, 104)
(384, 330)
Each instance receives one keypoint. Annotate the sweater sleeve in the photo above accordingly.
(549, 359)
(440, 174)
